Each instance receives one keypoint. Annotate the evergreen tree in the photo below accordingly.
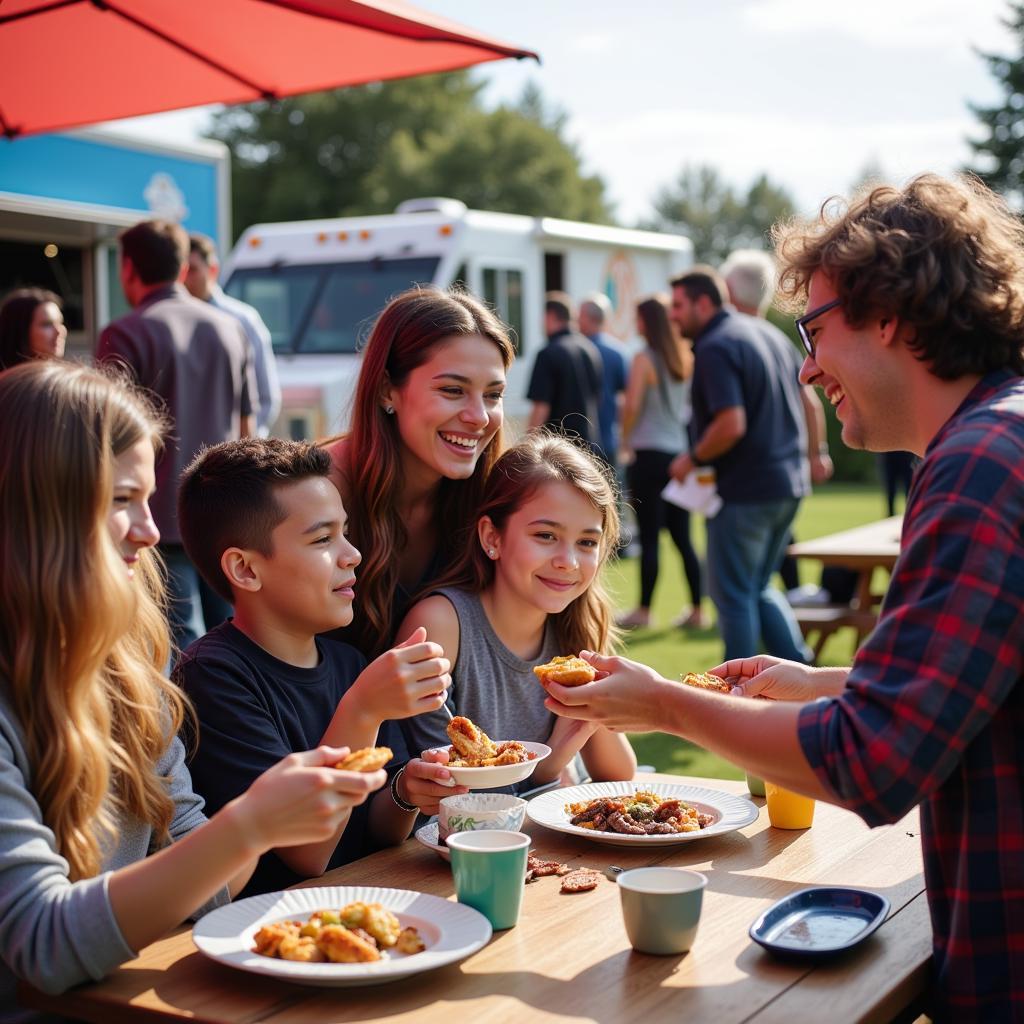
(1001, 153)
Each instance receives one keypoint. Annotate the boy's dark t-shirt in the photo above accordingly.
(253, 710)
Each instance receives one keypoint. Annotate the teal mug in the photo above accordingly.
(661, 908)
(489, 867)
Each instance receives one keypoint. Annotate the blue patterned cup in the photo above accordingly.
(471, 812)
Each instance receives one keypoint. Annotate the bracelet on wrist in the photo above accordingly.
(396, 796)
(823, 449)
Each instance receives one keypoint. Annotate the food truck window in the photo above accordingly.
(56, 267)
(326, 308)
(503, 289)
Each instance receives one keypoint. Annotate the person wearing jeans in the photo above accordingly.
(744, 544)
(749, 426)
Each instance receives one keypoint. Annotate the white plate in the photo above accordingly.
(450, 930)
(502, 774)
(431, 839)
(731, 812)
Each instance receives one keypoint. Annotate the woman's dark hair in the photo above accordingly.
(661, 336)
(16, 315)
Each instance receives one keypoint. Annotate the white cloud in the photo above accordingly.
(888, 24)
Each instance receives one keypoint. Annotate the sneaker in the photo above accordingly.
(808, 596)
(693, 619)
(636, 619)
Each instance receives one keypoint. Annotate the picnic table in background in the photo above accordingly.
(568, 959)
(862, 549)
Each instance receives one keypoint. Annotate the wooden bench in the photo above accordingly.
(824, 620)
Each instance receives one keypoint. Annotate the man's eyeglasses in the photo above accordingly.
(803, 321)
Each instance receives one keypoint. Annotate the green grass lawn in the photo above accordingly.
(672, 651)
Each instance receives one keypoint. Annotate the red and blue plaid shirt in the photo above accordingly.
(933, 713)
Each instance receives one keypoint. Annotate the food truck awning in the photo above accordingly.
(73, 62)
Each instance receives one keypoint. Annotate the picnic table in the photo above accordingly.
(862, 549)
(569, 960)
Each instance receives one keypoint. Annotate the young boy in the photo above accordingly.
(266, 529)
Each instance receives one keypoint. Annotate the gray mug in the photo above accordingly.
(661, 908)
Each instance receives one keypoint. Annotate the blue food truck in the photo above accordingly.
(65, 197)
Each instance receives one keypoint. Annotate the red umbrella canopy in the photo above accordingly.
(72, 62)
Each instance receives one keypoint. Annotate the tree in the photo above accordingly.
(714, 217)
(1001, 151)
(365, 149)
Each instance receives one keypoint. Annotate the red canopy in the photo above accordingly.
(72, 62)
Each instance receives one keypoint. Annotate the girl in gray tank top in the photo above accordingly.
(526, 589)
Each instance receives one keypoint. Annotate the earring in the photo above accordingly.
(389, 409)
(491, 553)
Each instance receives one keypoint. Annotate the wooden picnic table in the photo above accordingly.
(862, 549)
(569, 960)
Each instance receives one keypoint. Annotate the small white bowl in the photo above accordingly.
(471, 812)
(502, 774)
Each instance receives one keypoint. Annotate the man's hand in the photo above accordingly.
(821, 468)
(765, 676)
(681, 467)
(625, 697)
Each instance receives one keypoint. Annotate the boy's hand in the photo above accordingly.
(302, 799)
(426, 781)
(408, 680)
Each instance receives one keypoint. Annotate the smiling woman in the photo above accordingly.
(426, 428)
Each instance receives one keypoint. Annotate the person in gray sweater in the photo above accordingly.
(104, 846)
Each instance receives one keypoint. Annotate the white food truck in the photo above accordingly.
(320, 284)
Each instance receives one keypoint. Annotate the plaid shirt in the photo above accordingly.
(933, 713)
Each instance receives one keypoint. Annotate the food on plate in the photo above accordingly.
(355, 934)
(640, 814)
(580, 880)
(473, 748)
(706, 681)
(566, 670)
(368, 759)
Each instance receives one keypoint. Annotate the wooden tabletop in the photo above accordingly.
(568, 959)
(863, 547)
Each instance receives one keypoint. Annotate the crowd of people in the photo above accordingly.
(199, 621)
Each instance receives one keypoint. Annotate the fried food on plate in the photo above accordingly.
(343, 945)
(368, 759)
(355, 934)
(706, 681)
(566, 670)
(642, 814)
(471, 743)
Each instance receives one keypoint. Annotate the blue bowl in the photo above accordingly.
(819, 922)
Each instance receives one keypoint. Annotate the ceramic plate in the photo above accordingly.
(730, 812)
(429, 837)
(502, 774)
(450, 930)
(820, 921)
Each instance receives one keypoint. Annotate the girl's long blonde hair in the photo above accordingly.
(402, 339)
(82, 646)
(543, 458)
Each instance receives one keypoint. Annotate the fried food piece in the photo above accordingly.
(706, 681)
(541, 868)
(373, 919)
(409, 941)
(580, 880)
(302, 949)
(368, 759)
(269, 938)
(343, 945)
(566, 670)
(471, 743)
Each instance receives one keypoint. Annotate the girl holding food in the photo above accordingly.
(104, 846)
(527, 590)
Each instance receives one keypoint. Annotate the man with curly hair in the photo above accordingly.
(913, 330)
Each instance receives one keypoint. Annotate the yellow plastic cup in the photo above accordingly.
(787, 809)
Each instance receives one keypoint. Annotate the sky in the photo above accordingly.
(809, 92)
